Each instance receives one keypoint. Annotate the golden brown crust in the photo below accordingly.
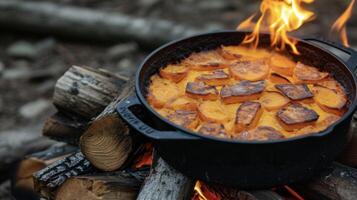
(247, 116)
(295, 91)
(200, 90)
(294, 116)
(174, 72)
(214, 78)
(205, 61)
(243, 91)
(307, 74)
(251, 70)
(261, 133)
(185, 118)
(213, 129)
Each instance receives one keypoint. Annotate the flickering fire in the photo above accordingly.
(279, 17)
(340, 24)
(202, 192)
(145, 159)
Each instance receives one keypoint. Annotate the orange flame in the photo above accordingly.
(340, 24)
(279, 17)
(145, 159)
(203, 193)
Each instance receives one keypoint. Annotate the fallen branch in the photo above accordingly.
(41, 17)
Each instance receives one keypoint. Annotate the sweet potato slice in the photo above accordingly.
(215, 78)
(329, 100)
(295, 91)
(273, 100)
(200, 90)
(174, 72)
(207, 60)
(239, 52)
(243, 91)
(261, 133)
(185, 118)
(212, 111)
(307, 74)
(182, 103)
(278, 79)
(333, 85)
(295, 116)
(213, 129)
(251, 70)
(161, 91)
(282, 65)
(248, 115)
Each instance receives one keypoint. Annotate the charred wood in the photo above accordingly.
(47, 180)
(112, 185)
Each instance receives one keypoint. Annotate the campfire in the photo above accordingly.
(127, 152)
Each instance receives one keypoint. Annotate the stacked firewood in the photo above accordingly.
(101, 157)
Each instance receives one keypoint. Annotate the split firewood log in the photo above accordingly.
(110, 185)
(47, 180)
(22, 182)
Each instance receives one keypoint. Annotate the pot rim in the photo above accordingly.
(183, 130)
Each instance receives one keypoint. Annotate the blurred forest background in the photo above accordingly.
(32, 60)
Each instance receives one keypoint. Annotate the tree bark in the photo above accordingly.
(85, 91)
(64, 128)
(41, 17)
(164, 182)
(112, 185)
(339, 182)
(47, 180)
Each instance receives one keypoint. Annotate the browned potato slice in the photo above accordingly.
(295, 92)
(207, 60)
(251, 70)
(295, 116)
(215, 78)
(308, 74)
(278, 79)
(174, 72)
(185, 118)
(200, 90)
(273, 100)
(282, 65)
(261, 133)
(329, 100)
(247, 116)
(243, 91)
(333, 85)
(239, 52)
(161, 91)
(182, 103)
(213, 129)
(212, 111)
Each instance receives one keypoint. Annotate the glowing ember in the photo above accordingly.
(145, 159)
(279, 17)
(203, 193)
(340, 24)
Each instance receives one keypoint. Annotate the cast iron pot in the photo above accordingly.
(246, 164)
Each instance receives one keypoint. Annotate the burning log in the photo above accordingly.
(164, 182)
(337, 182)
(23, 182)
(88, 24)
(47, 180)
(112, 185)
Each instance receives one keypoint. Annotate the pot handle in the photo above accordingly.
(351, 62)
(123, 109)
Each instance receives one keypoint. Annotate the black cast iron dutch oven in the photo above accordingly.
(246, 164)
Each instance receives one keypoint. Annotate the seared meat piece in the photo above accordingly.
(200, 90)
(213, 129)
(295, 92)
(295, 116)
(217, 77)
(261, 133)
(251, 70)
(185, 118)
(247, 116)
(243, 91)
(308, 74)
